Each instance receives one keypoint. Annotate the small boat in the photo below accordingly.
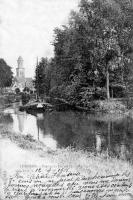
(36, 106)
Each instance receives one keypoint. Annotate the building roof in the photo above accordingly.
(26, 82)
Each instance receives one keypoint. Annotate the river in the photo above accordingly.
(97, 133)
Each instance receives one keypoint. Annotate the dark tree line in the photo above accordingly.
(6, 74)
(93, 54)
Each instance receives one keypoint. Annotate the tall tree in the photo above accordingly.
(6, 74)
(42, 79)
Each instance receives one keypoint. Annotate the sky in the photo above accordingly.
(26, 29)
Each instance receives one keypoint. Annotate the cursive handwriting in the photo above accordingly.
(65, 183)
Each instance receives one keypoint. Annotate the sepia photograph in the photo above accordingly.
(66, 100)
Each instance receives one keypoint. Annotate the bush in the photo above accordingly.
(89, 94)
(68, 92)
(86, 95)
(56, 91)
(17, 90)
(109, 106)
(26, 89)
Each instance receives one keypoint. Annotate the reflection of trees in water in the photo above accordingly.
(6, 118)
(69, 128)
(53, 124)
(87, 132)
(118, 139)
(6, 122)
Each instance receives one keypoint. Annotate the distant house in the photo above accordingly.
(20, 81)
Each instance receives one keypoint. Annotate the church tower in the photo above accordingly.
(20, 71)
(20, 81)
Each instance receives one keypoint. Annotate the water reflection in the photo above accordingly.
(96, 133)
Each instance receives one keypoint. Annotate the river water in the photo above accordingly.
(97, 133)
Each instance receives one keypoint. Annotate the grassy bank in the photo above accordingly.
(24, 141)
(67, 156)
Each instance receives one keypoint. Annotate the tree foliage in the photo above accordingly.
(17, 90)
(6, 74)
(96, 42)
(92, 52)
(42, 77)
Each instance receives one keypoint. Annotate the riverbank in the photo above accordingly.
(8, 99)
(26, 142)
(104, 106)
(68, 156)
(112, 106)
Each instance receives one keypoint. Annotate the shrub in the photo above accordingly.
(110, 106)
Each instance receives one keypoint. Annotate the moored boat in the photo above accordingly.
(36, 106)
